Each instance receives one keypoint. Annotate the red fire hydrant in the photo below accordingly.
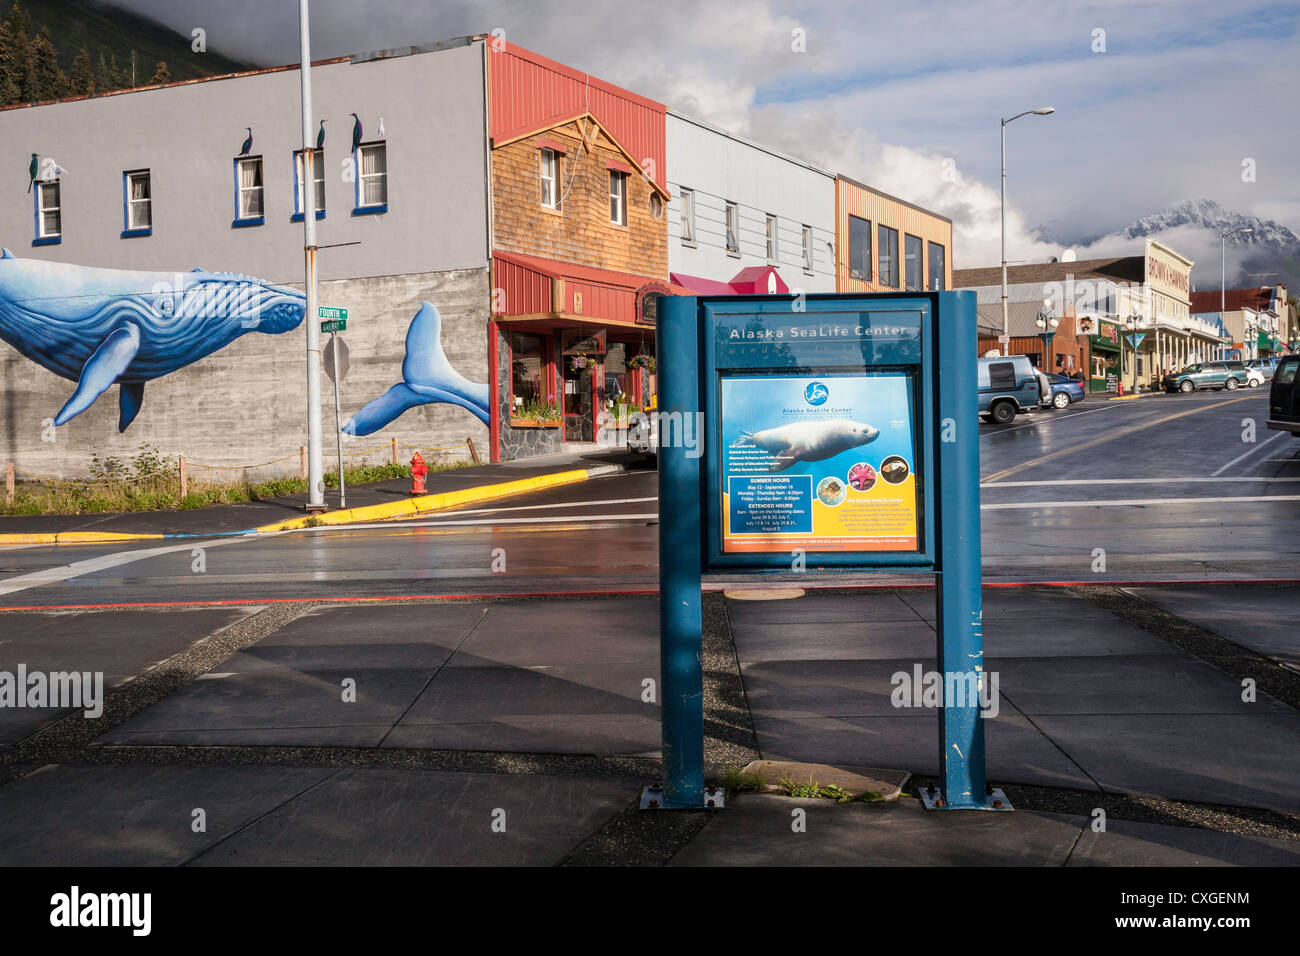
(418, 470)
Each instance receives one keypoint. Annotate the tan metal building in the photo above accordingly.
(885, 244)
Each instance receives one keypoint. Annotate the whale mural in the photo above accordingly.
(100, 327)
(427, 379)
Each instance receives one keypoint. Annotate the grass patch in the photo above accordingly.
(149, 481)
(737, 780)
(812, 790)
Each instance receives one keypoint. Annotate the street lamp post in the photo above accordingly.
(1132, 322)
(1047, 325)
(1006, 328)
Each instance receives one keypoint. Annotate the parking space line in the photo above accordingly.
(1247, 454)
(1112, 436)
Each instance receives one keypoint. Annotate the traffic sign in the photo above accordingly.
(331, 361)
(328, 312)
(334, 325)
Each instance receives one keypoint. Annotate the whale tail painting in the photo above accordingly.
(427, 378)
(105, 327)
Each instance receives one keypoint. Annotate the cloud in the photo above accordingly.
(1184, 91)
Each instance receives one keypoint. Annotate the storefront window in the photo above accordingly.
(528, 391)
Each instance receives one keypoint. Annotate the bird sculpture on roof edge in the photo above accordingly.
(356, 132)
(248, 143)
(380, 130)
(31, 172)
(320, 136)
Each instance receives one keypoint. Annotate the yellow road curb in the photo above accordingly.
(396, 509)
(425, 503)
(75, 537)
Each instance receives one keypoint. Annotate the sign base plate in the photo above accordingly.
(652, 798)
(932, 797)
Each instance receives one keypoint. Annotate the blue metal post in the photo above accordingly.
(681, 622)
(960, 625)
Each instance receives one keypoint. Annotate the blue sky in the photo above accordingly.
(896, 94)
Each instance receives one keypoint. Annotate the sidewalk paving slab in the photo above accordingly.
(1128, 843)
(118, 643)
(137, 815)
(381, 817)
(1016, 751)
(756, 830)
(1266, 620)
(1156, 684)
(1236, 759)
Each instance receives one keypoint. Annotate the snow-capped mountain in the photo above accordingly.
(1210, 215)
(1269, 253)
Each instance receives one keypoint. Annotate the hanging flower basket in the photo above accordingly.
(580, 362)
(643, 361)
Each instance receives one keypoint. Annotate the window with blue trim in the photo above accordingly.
(372, 178)
(249, 209)
(137, 204)
(49, 214)
(318, 179)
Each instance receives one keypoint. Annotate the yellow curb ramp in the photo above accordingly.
(384, 512)
(438, 502)
(76, 537)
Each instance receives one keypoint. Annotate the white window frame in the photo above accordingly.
(731, 228)
(41, 209)
(688, 216)
(299, 205)
(553, 179)
(618, 197)
(773, 246)
(807, 249)
(362, 177)
(241, 209)
(133, 223)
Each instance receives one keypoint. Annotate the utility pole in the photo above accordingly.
(315, 467)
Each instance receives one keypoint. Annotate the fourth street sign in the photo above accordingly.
(338, 318)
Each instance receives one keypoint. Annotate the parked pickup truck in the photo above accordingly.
(1008, 385)
(1284, 396)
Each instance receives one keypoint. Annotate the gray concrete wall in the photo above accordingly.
(188, 136)
(247, 403)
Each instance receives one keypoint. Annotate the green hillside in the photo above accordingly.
(41, 43)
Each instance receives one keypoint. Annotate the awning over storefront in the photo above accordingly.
(530, 289)
(754, 280)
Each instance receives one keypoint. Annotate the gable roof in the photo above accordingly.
(1120, 269)
(1233, 300)
(556, 122)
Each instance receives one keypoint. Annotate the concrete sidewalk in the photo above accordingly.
(521, 731)
(369, 501)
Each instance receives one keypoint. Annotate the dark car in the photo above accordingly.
(1065, 390)
(1206, 375)
(1284, 396)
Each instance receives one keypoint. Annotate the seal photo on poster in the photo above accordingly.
(894, 469)
(809, 441)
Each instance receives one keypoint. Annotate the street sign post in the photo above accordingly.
(336, 366)
(834, 432)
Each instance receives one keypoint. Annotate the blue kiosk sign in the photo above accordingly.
(826, 432)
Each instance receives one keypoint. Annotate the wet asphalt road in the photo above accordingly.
(1162, 487)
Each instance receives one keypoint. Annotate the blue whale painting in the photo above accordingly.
(100, 327)
(427, 378)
